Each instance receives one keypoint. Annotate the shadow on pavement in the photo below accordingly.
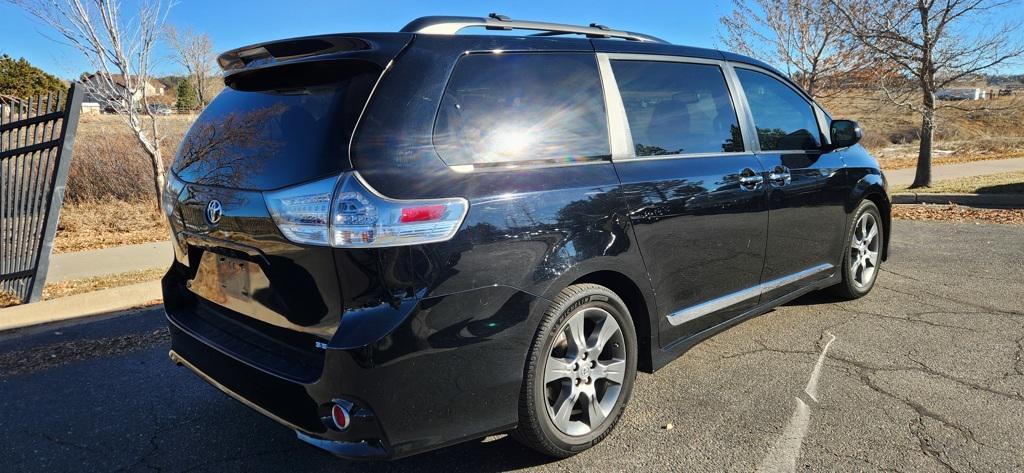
(262, 444)
(1010, 188)
(135, 410)
(814, 298)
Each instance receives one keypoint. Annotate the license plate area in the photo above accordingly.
(236, 284)
(222, 279)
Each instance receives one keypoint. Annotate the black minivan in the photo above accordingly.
(394, 242)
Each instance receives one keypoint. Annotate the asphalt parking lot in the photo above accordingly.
(924, 374)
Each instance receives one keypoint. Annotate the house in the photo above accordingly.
(91, 108)
(970, 87)
(154, 88)
(961, 93)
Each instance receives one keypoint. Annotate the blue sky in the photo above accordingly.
(233, 24)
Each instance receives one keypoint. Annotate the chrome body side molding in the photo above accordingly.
(717, 304)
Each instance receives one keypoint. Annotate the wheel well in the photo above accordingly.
(626, 289)
(886, 210)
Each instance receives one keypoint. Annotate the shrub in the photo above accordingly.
(109, 163)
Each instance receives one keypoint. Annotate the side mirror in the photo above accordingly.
(845, 133)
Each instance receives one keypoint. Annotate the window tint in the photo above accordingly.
(277, 128)
(784, 119)
(676, 108)
(522, 107)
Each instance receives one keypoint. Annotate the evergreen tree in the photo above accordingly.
(18, 78)
(186, 97)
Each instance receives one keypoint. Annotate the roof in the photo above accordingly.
(380, 47)
(119, 80)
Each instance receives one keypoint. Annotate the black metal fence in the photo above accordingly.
(36, 136)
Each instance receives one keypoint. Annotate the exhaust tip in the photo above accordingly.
(174, 357)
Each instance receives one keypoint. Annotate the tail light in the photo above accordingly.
(346, 212)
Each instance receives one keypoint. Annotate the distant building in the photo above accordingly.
(155, 89)
(962, 93)
(91, 108)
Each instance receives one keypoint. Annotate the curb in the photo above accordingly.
(970, 200)
(80, 305)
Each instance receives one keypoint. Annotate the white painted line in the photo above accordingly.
(812, 384)
(783, 455)
(786, 450)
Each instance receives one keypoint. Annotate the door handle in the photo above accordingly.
(750, 179)
(780, 176)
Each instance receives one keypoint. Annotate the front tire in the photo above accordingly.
(863, 257)
(579, 373)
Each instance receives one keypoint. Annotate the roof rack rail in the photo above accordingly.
(452, 24)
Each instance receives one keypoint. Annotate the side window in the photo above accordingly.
(676, 108)
(522, 107)
(784, 119)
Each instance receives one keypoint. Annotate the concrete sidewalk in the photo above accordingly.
(81, 305)
(116, 260)
(905, 177)
(87, 264)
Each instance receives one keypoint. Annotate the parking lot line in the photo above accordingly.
(786, 450)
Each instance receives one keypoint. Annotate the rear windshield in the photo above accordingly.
(522, 107)
(277, 127)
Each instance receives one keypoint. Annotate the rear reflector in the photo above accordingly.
(340, 417)
(423, 213)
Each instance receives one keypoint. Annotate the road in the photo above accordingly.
(924, 374)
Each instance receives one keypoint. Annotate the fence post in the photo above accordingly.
(72, 110)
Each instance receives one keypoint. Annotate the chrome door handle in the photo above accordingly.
(780, 176)
(749, 179)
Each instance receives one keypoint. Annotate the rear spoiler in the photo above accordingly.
(378, 48)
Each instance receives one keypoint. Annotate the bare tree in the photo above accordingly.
(932, 44)
(799, 36)
(194, 51)
(119, 50)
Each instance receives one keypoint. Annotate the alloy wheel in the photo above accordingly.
(864, 250)
(584, 371)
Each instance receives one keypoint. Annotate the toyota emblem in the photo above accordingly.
(214, 211)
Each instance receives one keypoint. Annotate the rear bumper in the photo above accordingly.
(300, 407)
(448, 370)
(345, 449)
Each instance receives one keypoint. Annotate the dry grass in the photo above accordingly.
(90, 225)
(109, 163)
(892, 133)
(36, 358)
(1005, 183)
(956, 213)
(910, 161)
(8, 299)
(80, 286)
(109, 199)
(905, 156)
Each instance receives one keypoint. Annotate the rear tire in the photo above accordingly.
(862, 259)
(579, 372)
